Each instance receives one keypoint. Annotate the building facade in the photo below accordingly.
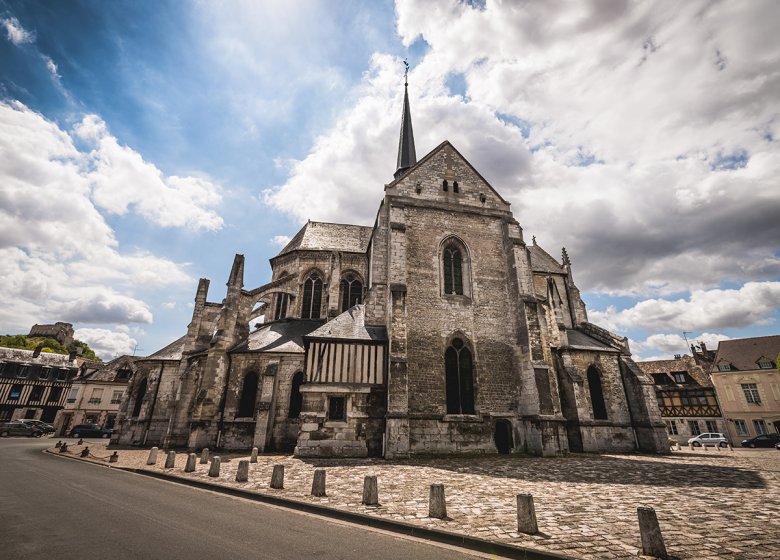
(439, 329)
(686, 397)
(95, 395)
(34, 384)
(747, 380)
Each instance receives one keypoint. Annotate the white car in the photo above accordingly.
(714, 439)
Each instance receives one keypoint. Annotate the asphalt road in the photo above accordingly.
(55, 508)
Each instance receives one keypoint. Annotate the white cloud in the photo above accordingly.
(51, 66)
(752, 304)
(106, 343)
(120, 179)
(57, 250)
(280, 240)
(17, 34)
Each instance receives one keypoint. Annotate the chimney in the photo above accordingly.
(703, 347)
(677, 356)
(37, 351)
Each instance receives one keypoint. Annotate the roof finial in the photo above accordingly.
(565, 256)
(407, 157)
(533, 239)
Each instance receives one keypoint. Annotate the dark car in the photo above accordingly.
(89, 430)
(46, 428)
(19, 428)
(764, 440)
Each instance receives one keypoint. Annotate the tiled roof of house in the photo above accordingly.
(44, 358)
(684, 363)
(323, 236)
(743, 354)
(109, 370)
(350, 325)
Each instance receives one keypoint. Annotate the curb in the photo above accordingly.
(436, 535)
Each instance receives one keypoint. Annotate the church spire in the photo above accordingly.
(407, 157)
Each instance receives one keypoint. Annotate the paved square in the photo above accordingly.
(713, 504)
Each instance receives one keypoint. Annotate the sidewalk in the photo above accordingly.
(709, 504)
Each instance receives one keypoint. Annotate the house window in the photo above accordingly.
(765, 364)
(23, 371)
(312, 297)
(751, 393)
(445, 185)
(44, 373)
(116, 398)
(760, 427)
(671, 427)
(16, 392)
(55, 394)
(296, 398)
(97, 396)
(139, 398)
(459, 378)
(246, 407)
(660, 379)
(337, 409)
(281, 306)
(596, 394)
(455, 268)
(712, 426)
(62, 375)
(73, 394)
(123, 375)
(351, 291)
(36, 394)
(455, 187)
(694, 426)
(680, 377)
(741, 427)
(724, 367)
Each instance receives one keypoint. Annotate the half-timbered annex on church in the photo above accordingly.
(436, 330)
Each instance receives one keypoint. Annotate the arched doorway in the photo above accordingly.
(502, 435)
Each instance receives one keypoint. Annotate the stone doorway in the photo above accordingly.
(502, 435)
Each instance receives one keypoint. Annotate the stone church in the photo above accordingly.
(436, 330)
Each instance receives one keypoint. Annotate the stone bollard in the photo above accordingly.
(253, 456)
(58, 445)
(704, 448)
(730, 448)
(80, 442)
(114, 457)
(277, 478)
(85, 452)
(242, 474)
(318, 484)
(170, 460)
(690, 446)
(650, 532)
(214, 468)
(717, 448)
(526, 515)
(677, 447)
(204, 456)
(152, 456)
(370, 491)
(437, 506)
(190, 466)
(64, 448)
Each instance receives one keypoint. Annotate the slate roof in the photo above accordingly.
(581, 341)
(171, 352)
(323, 236)
(541, 261)
(278, 336)
(743, 354)
(109, 370)
(350, 325)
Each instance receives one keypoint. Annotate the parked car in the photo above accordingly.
(19, 428)
(777, 446)
(764, 440)
(713, 439)
(89, 430)
(47, 428)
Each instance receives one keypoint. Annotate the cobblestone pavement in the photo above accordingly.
(714, 504)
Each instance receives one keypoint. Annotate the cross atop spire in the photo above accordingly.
(407, 156)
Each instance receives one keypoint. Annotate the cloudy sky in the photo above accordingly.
(143, 144)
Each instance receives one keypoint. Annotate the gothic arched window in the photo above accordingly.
(459, 378)
(312, 297)
(281, 306)
(246, 406)
(454, 268)
(139, 398)
(596, 394)
(351, 291)
(296, 398)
